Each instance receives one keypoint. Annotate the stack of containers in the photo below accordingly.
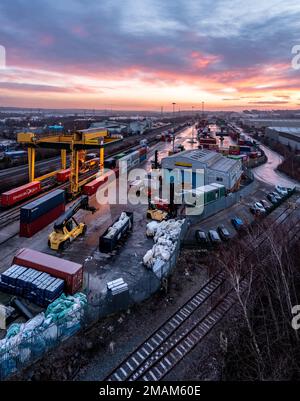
(143, 154)
(38, 214)
(124, 163)
(38, 287)
(70, 272)
(135, 158)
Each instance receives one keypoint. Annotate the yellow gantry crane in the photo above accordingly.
(75, 143)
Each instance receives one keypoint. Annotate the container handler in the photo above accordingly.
(66, 228)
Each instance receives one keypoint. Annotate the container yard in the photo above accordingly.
(149, 197)
(62, 249)
(65, 251)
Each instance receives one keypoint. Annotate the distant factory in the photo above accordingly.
(132, 127)
(289, 136)
(216, 168)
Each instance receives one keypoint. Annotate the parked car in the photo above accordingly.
(258, 209)
(272, 198)
(281, 190)
(237, 223)
(266, 205)
(202, 238)
(277, 196)
(214, 237)
(291, 190)
(224, 233)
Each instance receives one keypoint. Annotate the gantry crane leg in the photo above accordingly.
(31, 163)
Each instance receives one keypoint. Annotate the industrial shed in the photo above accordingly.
(212, 167)
(289, 136)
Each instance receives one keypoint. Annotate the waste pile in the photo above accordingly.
(25, 342)
(165, 236)
(118, 225)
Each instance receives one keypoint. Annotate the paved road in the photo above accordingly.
(268, 172)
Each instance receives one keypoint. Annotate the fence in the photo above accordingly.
(222, 203)
(30, 344)
(104, 304)
(26, 343)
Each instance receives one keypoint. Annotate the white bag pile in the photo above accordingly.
(123, 219)
(165, 235)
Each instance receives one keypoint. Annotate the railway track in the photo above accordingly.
(13, 214)
(184, 330)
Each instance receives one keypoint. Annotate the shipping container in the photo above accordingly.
(119, 156)
(41, 206)
(27, 230)
(143, 151)
(63, 175)
(143, 158)
(135, 155)
(92, 187)
(234, 150)
(253, 155)
(16, 195)
(107, 243)
(70, 272)
(110, 163)
(211, 141)
(245, 149)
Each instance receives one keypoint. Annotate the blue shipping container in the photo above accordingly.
(41, 206)
(143, 158)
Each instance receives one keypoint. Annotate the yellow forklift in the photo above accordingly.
(160, 210)
(66, 228)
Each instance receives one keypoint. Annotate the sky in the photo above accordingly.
(147, 54)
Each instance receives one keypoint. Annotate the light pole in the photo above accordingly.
(174, 126)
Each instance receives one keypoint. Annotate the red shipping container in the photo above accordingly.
(92, 187)
(27, 230)
(142, 151)
(70, 272)
(16, 195)
(63, 175)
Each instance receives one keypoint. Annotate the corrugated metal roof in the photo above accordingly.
(224, 164)
(213, 160)
(287, 130)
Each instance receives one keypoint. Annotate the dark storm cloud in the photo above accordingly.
(109, 36)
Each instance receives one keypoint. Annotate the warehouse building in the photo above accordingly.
(212, 167)
(289, 136)
(268, 122)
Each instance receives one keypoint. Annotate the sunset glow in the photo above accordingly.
(147, 54)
